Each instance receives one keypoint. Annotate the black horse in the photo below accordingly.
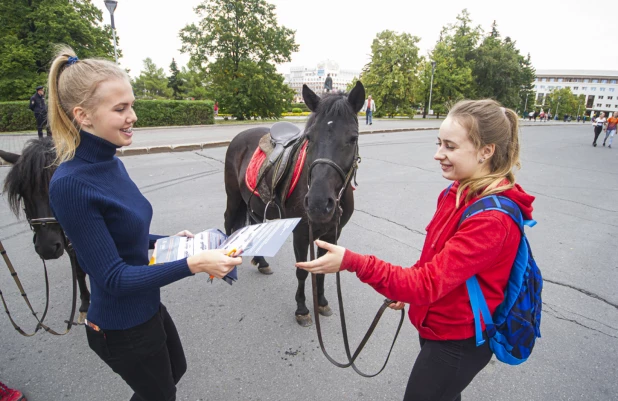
(27, 186)
(326, 201)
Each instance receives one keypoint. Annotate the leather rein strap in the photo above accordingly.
(40, 324)
(339, 211)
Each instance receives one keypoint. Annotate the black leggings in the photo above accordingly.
(443, 369)
(149, 357)
(597, 132)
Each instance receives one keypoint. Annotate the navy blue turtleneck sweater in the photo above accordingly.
(108, 220)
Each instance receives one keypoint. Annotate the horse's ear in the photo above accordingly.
(9, 157)
(357, 97)
(311, 99)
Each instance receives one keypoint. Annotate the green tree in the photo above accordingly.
(451, 82)
(500, 72)
(29, 28)
(454, 58)
(564, 102)
(391, 78)
(238, 41)
(175, 81)
(152, 83)
(195, 82)
(528, 76)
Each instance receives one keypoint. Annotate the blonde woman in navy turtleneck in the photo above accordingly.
(108, 221)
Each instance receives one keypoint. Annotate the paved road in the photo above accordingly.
(242, 342)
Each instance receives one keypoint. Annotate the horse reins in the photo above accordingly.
(339, 211)
(42, 222)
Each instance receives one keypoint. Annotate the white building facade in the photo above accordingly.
(599, 87)
(315, 76)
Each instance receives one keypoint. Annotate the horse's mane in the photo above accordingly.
(31, 174)
(332, 104)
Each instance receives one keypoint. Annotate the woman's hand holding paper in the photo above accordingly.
(215, 262)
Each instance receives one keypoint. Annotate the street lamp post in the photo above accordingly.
(111, 6)
(433, 68)
(557, 105)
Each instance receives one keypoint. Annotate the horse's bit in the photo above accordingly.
(34, 225)
(346, 178)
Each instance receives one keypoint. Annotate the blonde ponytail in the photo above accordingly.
(73, 84)
(66, 133)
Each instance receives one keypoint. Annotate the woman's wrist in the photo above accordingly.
(193, 264)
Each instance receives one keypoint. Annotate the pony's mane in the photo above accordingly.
(332, 104)
(30, 175)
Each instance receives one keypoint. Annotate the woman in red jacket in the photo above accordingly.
(478, 149)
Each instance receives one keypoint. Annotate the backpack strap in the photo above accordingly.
(477, 300)
(447, 190)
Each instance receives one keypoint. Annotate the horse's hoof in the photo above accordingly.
(265, 270)
(325, 310)
(82, 317)
(304, 320)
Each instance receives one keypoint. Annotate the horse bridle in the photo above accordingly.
(346, 178)
(34, 225)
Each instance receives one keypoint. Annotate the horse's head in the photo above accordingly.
(27, 186)
(332, 131)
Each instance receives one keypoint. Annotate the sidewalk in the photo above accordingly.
(175, 139)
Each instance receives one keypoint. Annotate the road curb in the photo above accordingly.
(191, 147)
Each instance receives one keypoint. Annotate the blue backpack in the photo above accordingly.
(516, 322)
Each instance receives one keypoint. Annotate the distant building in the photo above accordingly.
(314, 77)
(599, 87)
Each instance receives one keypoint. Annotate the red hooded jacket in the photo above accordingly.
(435, 286)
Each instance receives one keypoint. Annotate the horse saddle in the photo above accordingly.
(282, 135)
(281, 147)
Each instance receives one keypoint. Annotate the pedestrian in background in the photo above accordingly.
(216, 108)
(610, 131)
(598, 125)
(478, 149)
(328, 83)
(38, 106)
(369, 107)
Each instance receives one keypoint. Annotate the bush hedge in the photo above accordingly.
(301, 106)
(164, 113)
(16, 116)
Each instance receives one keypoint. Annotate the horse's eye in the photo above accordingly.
(354, 139)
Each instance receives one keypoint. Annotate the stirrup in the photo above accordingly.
(266, 210)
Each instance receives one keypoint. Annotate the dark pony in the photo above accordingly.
(332, 134)
(27, 186)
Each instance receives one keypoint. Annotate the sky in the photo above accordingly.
(563, 34)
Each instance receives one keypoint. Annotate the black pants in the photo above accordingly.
(41, 122)
(149, 357)
(443, 369)
(597, 132)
